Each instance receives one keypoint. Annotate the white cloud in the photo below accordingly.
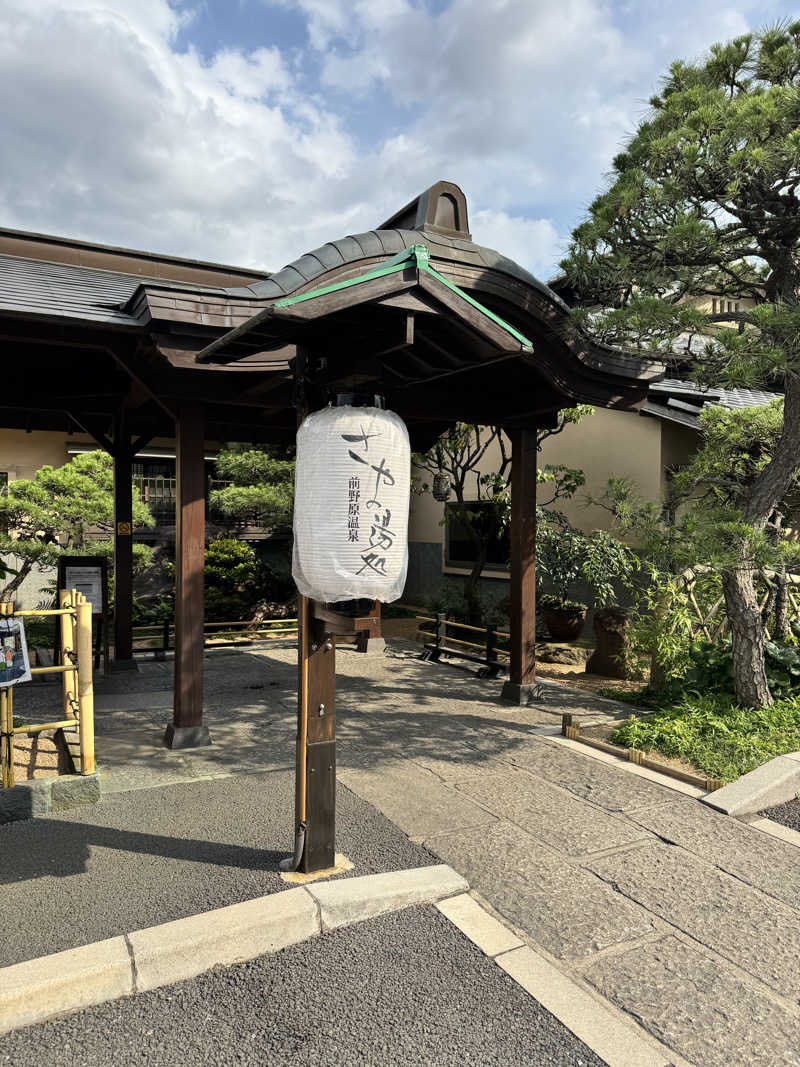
(112, 134)
(535, 243)
(109, 134)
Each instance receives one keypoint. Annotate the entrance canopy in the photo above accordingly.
(445, 329)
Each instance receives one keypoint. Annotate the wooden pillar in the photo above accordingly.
(522, 673)
(123, 546)
(186, 729)
(320, 750)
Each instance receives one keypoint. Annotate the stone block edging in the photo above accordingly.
(766, 786)
(43, 795)
(36, 990)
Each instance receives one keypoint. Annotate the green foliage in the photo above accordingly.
(42, 517)
(704, 203)
(722, 740)
(261, 486)
(565, 556)
(231, 570)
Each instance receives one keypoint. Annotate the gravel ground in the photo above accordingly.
(406, 988)
(788, 814)
(145, 857)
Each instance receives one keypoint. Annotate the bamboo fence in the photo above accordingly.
(77, 686)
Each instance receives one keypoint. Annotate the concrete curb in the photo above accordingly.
(36, 990)
(768, 785)
(614, 1037)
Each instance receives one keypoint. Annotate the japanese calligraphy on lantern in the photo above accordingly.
(352, 489)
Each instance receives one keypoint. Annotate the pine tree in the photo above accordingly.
(703, 205)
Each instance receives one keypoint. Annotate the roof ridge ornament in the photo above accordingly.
(440, 209)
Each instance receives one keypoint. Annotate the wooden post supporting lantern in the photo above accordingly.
(352, 488)
(187, 729)
(522, 668)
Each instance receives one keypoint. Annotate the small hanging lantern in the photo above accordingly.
(441, 487)
(351, 500)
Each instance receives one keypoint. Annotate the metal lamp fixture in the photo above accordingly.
(441, 487)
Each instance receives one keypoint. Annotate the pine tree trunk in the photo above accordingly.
(7, 593)
(472, 594)
(747, 639)
(781, 607)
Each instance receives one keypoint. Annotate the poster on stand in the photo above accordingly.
(14, 663)
(89, 580)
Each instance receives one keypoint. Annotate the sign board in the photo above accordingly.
(88, 575)
(14, 663)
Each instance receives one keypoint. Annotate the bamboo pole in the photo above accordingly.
(7, 720)
(304, 616)
(85, 683)
(69, 682)
(43, 612)
(27, 729)
(6, 743)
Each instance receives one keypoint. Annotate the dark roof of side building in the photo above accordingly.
(683, 402)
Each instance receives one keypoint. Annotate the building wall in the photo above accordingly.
(603, 444)
(606, 443)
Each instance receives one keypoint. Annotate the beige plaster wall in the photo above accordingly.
(604, 444)
(678, 444)
(22, 454)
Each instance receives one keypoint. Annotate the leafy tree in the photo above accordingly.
(700, 523)
(704, 203)
(483, 498)
(261, 485)
(49, 514)
(230, 575)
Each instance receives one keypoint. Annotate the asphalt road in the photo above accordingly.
(788, 814)
(148, 856)
(403, 989)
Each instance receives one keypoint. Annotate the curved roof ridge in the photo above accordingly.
(373, 243)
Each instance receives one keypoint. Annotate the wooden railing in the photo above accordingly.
(77, 687)
(159, 637)
(493, 658)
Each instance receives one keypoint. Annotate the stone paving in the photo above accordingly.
(685, 918)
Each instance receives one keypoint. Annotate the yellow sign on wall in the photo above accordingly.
(124, 529)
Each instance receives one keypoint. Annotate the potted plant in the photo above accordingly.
(602, 562)
(560, 553)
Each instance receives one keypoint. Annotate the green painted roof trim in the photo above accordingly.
(419, 255)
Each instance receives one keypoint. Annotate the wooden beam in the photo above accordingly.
(186, 729)
(522, 673)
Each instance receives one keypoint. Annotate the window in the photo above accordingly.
(459, 548)
(155, 480)
(714, 306)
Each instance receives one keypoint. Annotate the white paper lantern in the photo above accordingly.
(351, 498)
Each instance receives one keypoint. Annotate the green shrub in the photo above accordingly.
(721, 739)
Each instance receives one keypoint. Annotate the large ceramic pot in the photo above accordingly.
(565, 624)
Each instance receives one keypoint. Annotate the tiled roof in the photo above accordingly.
(34, 287)
(683, 402)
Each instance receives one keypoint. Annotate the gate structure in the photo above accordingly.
(414, 310)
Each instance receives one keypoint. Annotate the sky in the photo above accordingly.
(251, 131)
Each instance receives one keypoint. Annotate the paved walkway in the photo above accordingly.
(684, 918)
